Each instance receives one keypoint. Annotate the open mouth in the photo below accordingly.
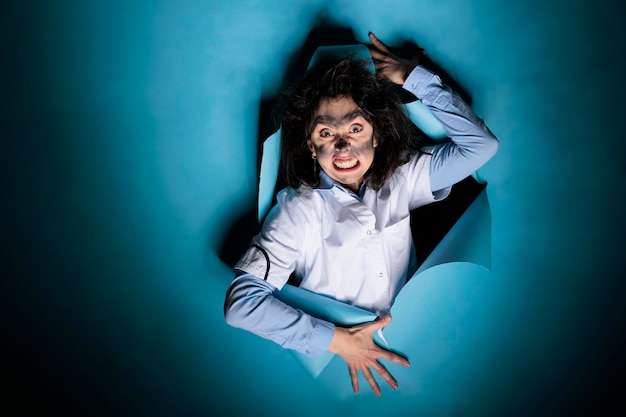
(342, 164)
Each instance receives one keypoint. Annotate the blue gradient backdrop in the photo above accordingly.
(129, 149)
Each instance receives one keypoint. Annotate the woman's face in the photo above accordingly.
(343, 141)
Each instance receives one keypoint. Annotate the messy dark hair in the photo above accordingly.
(397, 136)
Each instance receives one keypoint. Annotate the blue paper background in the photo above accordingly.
(129, 148)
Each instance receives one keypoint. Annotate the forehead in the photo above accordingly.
(336, 110)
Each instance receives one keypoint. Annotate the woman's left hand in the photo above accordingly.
(357, 348)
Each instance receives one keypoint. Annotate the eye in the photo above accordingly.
(326, 133)
(356, 128)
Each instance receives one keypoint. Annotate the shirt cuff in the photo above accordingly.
(320, 339)
(441, 194)
(417, 80)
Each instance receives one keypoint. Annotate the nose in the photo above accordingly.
(341, 143)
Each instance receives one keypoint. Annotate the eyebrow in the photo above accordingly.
(334, 122)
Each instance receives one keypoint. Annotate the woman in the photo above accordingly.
(355, 167)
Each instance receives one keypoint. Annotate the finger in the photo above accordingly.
(378, 44)
(376, 54)
(371, 327)
(384, 373)
(386, 73)
(392, 357)
(381, 68)
(383, 65)
(382, 74)
(370, 380)
(354, 376)
(380, 323)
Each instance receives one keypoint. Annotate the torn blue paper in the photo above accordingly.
(268, 174)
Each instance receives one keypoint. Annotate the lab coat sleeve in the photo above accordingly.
(251, 305)
(471, 143)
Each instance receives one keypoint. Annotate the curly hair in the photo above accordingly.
(397, 136)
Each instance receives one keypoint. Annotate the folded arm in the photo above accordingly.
(471, 142)
(251, 305)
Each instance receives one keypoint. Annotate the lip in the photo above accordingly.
(342, 161)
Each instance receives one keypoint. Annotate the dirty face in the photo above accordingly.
(342, 141)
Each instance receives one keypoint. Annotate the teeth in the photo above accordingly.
(346, 164)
